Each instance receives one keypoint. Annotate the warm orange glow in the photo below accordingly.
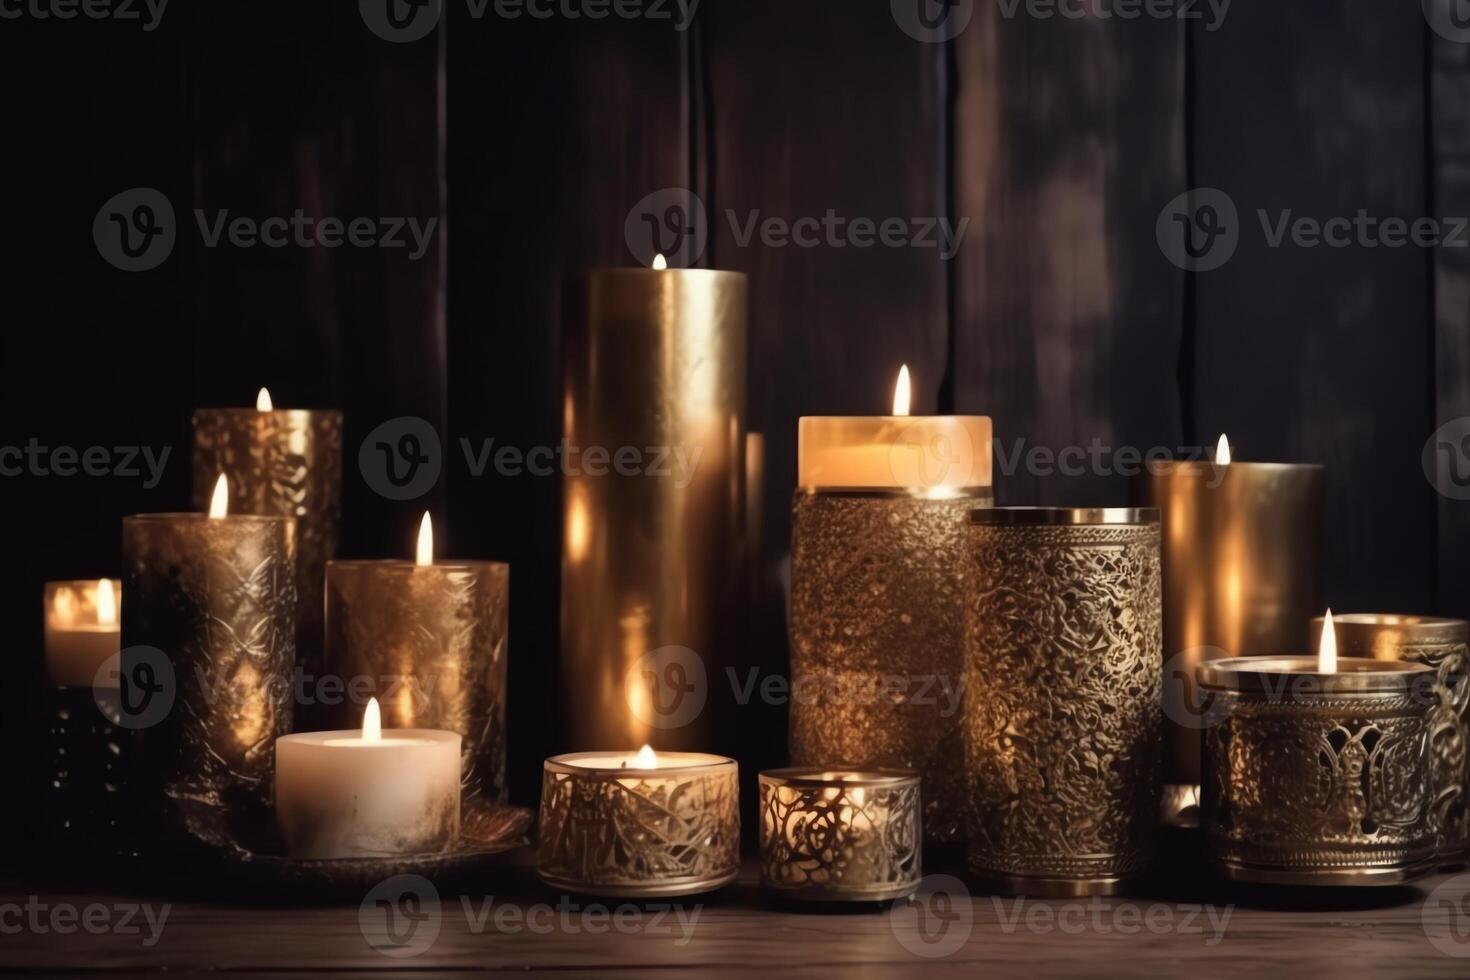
(106, 603)
(1327, 649)
(263, 401)
(1222, 451)
(659, 262)
(646, 758)
(219, 504)
(902, 393)
(372, 722)
(425, 554)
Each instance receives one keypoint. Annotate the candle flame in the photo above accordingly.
(263, 401)
(646, 759)
(106, 603)
(1222, 451)
(219, 504)
(425, 554)
(1327, 649)
(372, 722)
(659, 262)
(902, 392)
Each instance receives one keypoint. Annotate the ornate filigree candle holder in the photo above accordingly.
(1443, 645)
(1319, 778)
(840, 836)
(614, 830)
(1062, 687)
(877, 627)
(429, 642)
(208, 630)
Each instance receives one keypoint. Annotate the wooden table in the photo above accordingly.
(509, 922)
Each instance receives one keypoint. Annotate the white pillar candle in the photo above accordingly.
(81, 632)
(371, 793)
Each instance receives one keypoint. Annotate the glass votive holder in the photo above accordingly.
(840, 835)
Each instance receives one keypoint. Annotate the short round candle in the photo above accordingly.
(368, 793)
(82, 631)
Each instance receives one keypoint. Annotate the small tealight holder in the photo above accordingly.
(1318, 777)
(840, 835)
(639, 825)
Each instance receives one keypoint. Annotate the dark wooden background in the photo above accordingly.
(1060, 140)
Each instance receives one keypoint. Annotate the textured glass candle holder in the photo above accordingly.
(1442, 645)
(429, 642)
(208, 632)
(840, 836)
(285, 463)
(1319, 779)
(877, 612)
(639, 833)
(1062, 698)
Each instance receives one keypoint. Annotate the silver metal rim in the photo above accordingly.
(1420, 629)
(812, 777)
(1063, 516)
(1286, 677)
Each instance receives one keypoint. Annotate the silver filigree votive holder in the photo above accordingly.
(613, 826)
(1063, 676)
(840, 835)
(1315, 778)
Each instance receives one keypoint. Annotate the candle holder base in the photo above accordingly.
(1035, 886)
(1327, 878)
(665, 888)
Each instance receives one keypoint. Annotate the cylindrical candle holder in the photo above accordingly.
(652, 550)
(429, 642)
(610, 828)
(208, 630)
(1062, 688)
(1319, 778)
(281, 463)
(1442, 645)
(1232, 584)
(840, 835)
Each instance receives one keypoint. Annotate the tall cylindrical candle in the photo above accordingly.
(654, 507)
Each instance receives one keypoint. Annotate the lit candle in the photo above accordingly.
(81, 632)
(639, 825)
(368, 794)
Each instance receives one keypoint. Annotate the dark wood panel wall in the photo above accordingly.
(1054, 143)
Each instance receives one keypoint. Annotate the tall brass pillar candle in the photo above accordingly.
(285, 463)
(877, 596)
(427, 638)
(1062, 678)
(208, 632)
(652, 542)
(1441, 645)
(1242, 550)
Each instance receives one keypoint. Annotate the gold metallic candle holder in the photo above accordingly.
(283, 463)
(1319, 779)
(1062, 688)
(1443, 645)
(208, 632)
(429, 642)
(624, 832)
(840, 835)
(877, 625)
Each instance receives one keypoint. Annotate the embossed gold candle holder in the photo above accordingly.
(284, 463)
(208, 633)
(429, 642)
(1314, 778)
(1062, 688)
(639, 826)
(840, 836)
(1443, 645)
